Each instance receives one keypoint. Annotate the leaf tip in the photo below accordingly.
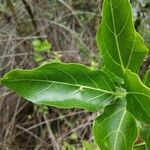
(3, 80)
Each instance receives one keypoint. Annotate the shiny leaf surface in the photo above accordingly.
(63, 85)
(115, 129)
(138, 97)
(120, 45)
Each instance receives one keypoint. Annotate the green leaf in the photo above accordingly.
(38, 57)
(41, 46)
(120, 45)
(138, 97)
(46, 45)
(115, 129)
(63, 85)
(145, 134)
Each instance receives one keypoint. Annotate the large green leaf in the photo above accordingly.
(115, 129)
(145, 134)
(120, 45)
(138, 97)
(63, 85)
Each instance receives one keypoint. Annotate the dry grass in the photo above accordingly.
(71, 30)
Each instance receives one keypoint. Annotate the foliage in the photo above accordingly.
(39, 47)
(117, 90)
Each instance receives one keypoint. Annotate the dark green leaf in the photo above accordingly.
(115, 129)
(63, 85)
(120, 45)
(138, 97)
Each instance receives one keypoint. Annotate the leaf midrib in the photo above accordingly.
(64, 83)
(119, 128)
(116, 38)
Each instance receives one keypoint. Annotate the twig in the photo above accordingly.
(51, 135)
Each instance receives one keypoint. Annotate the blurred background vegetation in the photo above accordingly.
(33, 32)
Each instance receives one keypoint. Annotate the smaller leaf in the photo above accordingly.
(46, 45)
(145, 134)
(138, 97)
(115, 129)
(41, 46)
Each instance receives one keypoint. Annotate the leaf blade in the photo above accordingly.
(120, 45)
(63, 85)
(113, 127)
(138, 97)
